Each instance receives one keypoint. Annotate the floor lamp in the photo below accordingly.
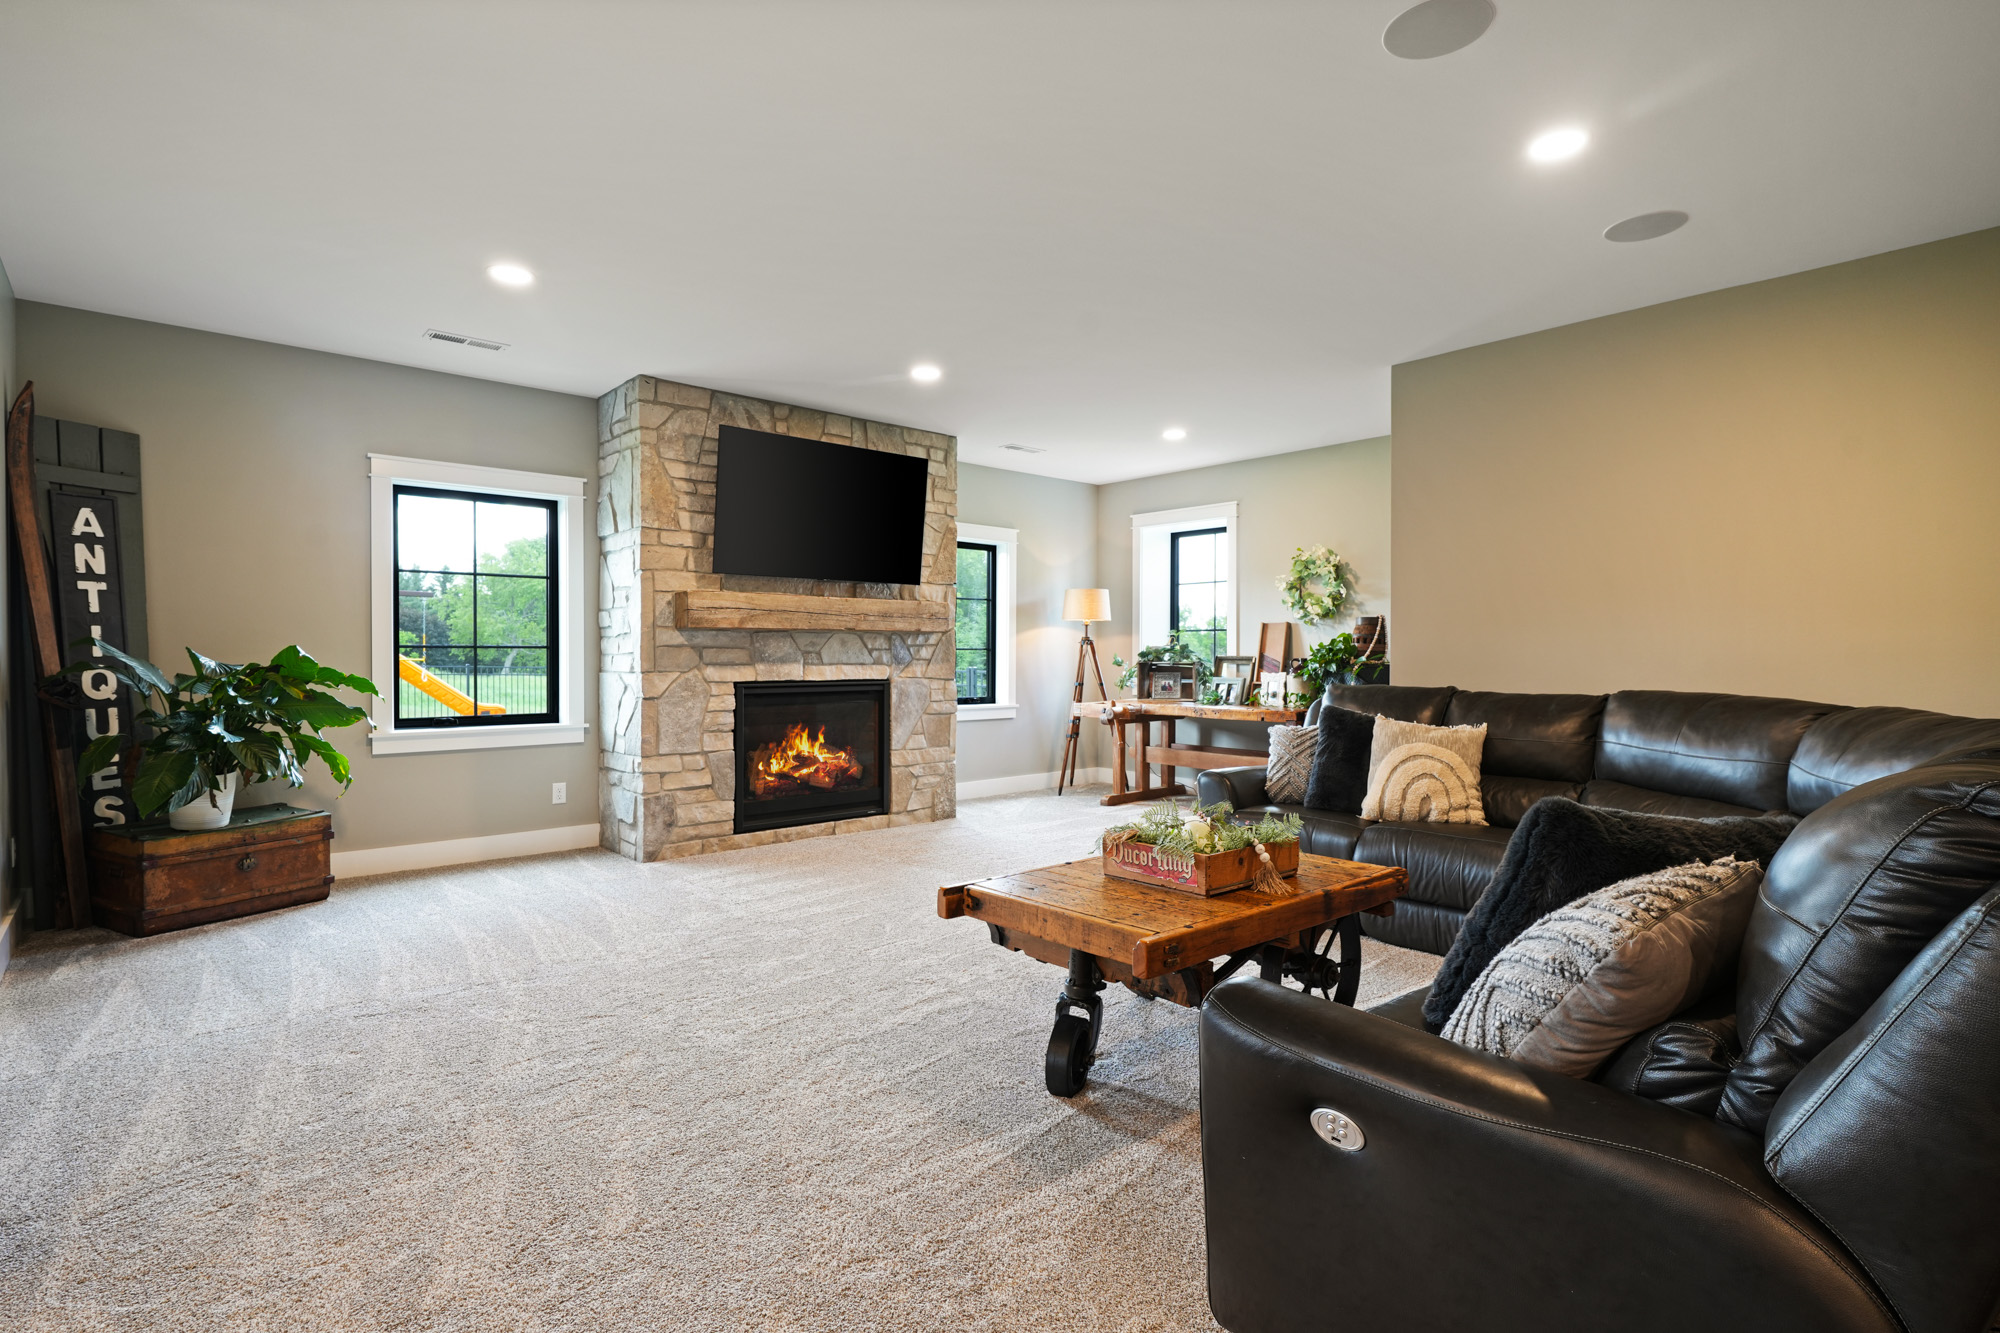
(1087, 605)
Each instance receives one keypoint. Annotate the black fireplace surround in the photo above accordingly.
(810, 752)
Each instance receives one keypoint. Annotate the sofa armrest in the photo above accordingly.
(1241, 787)
(1485, 1194)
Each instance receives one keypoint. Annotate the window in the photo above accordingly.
(1196, 588)
(986, 622)
(478, 609)
(1184, 578)
(476, 606)
(977, 576)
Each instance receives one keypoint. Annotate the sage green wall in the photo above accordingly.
(1336, 496)
(254, 462)
(1786, 488)
(1057, 521)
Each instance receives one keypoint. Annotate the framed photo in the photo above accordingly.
(1244, 666)
(1231, 687)
(1167, 684)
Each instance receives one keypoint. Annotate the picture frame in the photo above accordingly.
(1243, 666)
(1231, 688)
(1167, 684)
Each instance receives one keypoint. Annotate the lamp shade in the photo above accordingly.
(1087, 604)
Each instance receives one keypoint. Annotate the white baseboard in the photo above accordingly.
(968, 791)
(7, 937)
(461, 851)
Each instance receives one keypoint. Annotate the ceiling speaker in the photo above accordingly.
(1437, 28)
(1646, 226)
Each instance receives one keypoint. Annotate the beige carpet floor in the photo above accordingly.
(758, 1090)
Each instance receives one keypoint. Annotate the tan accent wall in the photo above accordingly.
(1786, 488)
(254, 459)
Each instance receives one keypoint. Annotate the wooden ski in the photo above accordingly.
(48, 652)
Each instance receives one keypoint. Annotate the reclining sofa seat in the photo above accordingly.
(1655, 751)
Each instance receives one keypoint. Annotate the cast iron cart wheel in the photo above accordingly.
(1068, 1061)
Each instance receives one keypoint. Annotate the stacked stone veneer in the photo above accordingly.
(668, 698)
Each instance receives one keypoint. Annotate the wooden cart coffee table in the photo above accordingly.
(1162, 943)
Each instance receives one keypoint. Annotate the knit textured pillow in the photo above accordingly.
(1587, 978)
(1424, 774)
(1290, 765)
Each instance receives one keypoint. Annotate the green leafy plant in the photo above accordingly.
(1175, 653)
(1205, 828)
(261, 719)
(1327, 661)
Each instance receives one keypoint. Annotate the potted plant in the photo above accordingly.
(1174, 653)
(224, 726)
(1333, 660)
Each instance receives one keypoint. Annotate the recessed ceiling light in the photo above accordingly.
(1646, 226)
(1558, 145)
(1173, 433)
(926, 373)
(510, 275)
(1437, 28)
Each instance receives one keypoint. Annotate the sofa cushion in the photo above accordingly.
(1843, 750)
(1682, 1062)
(1923, 1062)
(1865, 882)
(1449, 864)
(1618, 796)
(1328, 834)
(1425, 927)
(1339, 777)
(1406, 703)
(1508, 799)
(1564, 850)
(1718, 747)
(1407, 1008)
(1578, 984)
(1548, 736)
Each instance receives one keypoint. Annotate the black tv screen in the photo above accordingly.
(806, 509)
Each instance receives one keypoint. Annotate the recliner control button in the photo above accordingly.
(1337, 1129)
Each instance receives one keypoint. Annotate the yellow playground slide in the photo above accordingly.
(455, 700)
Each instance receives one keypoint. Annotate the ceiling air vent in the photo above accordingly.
(1024, 448)
(484, 344)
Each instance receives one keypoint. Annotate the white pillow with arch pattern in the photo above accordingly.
(1420, 774)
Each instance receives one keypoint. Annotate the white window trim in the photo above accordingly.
(384, 471)
(1150, 594)
(1004, 541)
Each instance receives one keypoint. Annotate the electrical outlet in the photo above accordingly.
(559, 795)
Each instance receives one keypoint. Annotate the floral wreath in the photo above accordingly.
(1317, 565)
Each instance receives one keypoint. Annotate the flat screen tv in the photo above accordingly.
(806, 509)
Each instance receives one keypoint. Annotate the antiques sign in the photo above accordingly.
(90, 604)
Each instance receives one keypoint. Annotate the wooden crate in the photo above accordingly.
(1205, 873)
(150, 878)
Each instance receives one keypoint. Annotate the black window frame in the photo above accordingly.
(1219, 638)
(553, 578)
(992, 647)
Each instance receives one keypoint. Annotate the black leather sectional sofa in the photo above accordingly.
(1657, 751)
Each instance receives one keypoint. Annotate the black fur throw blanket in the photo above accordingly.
(1563, 850)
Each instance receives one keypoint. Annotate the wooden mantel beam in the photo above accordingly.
(705, 609)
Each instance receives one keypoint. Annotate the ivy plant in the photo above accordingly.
(261, 719)
(1173, 653)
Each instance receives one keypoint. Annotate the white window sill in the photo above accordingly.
(423, 740)
(986, 712)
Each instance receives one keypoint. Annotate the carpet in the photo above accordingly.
(766, 1089)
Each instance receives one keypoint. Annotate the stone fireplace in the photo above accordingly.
(688, 655)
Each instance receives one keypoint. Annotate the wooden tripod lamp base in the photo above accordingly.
(1088, 605)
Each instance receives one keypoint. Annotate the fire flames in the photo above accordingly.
(801, 760)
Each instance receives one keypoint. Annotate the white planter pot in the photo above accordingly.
(201, 814)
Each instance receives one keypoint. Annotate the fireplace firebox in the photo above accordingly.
(810, 752)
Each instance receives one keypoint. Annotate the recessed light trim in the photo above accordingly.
(1646, 226)
(1175, 433)
(510, 275)
(925, 373)
(1558, 145)
(1437, 28)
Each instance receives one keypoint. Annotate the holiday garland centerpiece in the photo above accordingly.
(1204, 850)
(1319, 585)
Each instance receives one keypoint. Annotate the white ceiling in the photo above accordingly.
(1100, 218)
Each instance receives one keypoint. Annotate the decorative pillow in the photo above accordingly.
(1587, 978)
(1340, 763)
(1290, 764)
(1563, 850)
(1424, 774)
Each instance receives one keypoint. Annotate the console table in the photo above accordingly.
(1121, 715)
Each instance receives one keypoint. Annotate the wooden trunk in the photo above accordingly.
(150, 878)
(1205, 873)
